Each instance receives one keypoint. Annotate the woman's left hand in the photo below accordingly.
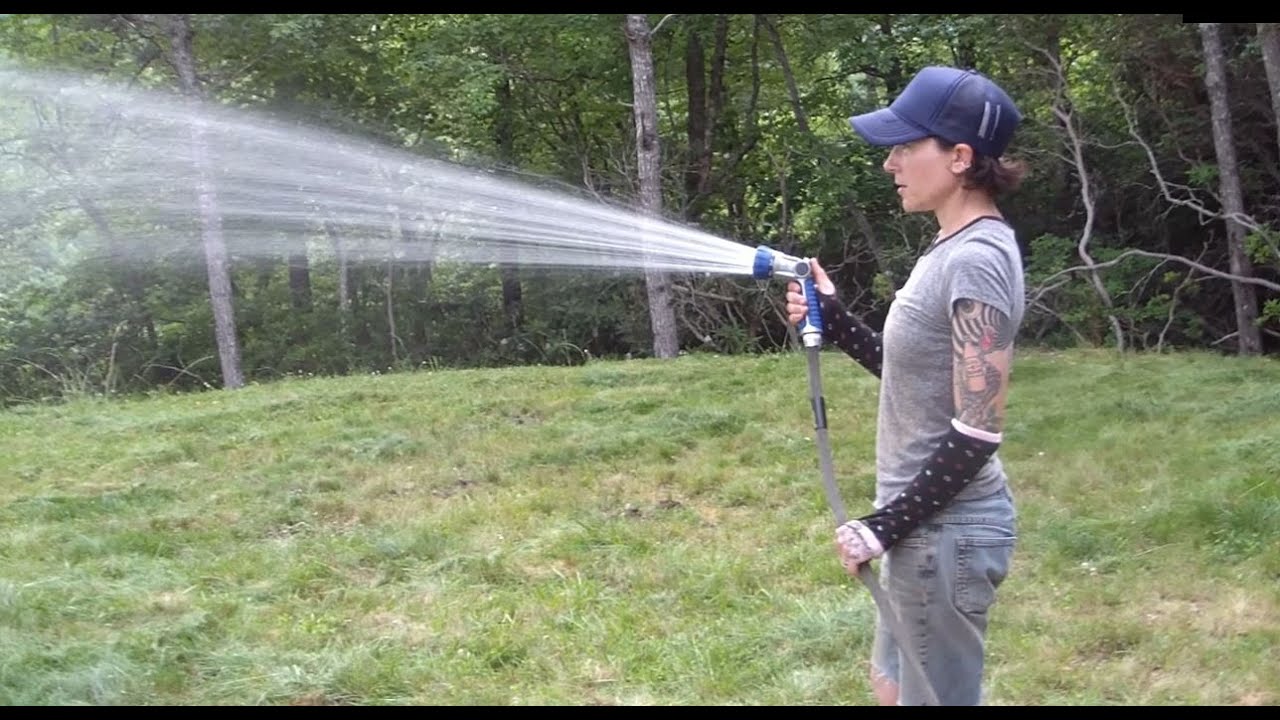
(856, 544)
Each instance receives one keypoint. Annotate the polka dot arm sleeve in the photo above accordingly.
(847, 332)
(955, 462)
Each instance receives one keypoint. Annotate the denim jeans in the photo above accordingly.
(942, 581)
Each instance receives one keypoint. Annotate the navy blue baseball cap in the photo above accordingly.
(960, 106)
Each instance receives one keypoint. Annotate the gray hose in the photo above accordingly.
(865, 573)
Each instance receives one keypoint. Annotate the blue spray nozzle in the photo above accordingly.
(763, 267)
(771, 263)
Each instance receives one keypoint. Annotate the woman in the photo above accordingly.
(943, 519)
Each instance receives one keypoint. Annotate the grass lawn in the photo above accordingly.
(640, 532)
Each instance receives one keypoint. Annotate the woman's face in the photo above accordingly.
(925, 174)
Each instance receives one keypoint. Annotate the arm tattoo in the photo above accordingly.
(981, 338)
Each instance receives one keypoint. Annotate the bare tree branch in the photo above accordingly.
(180, 370)
(1269, 39)
(793, 90)
(1234, 333)
(1173, 305)
(1141, 285)
(1166, 256)
(1046, 289)
(1191, 202)
(1083, 340)
(661, 22)
(1060, 109)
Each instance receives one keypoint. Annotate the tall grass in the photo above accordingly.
(640, 532)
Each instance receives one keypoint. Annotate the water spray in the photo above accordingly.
(770, 263)
(128, 153)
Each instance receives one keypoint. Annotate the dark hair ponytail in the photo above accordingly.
(995, 176)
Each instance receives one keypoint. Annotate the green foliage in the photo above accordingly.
(1153, 300)
(1203, 176)
(1263, 247)
(549, 96)
(1270, 312)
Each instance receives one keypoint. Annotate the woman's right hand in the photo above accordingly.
(796, 306)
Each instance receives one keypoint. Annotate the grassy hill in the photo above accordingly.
(621, 532)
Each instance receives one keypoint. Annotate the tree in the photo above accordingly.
(504, 137)
(1249, 339)
(649, 156)
(1269, 37)
(1070, 125)
(181, 49)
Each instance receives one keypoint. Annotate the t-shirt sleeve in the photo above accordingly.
(980, 270)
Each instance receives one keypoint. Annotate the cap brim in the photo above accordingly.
(884, 127)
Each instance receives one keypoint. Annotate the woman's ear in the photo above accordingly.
(961, 158)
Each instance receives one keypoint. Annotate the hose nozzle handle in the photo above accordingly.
(811, 326)
(771, 263)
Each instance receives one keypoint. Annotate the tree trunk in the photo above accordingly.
(504, 135)
(698, 171)
(344, 278)
(793, 90)
(182, 54)
(299, 280)
(394, 237)
(895, 77)
(344, 286)
(702, 178)
(285, 101)
(419, 283)
(1215, 81)
(966, 55)
(649, 154)
(418, 272)
(1269, 37)
(716, 93)
(1059, 174)
(392, 337)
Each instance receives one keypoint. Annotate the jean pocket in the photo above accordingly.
(983, 555)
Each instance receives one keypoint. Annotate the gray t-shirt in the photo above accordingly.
(917, 401)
